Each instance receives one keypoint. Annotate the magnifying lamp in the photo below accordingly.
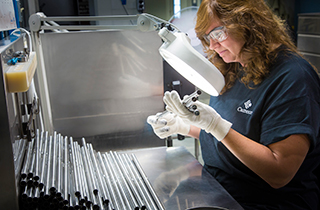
(179, 53)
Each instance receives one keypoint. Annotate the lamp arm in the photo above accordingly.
(145, 22)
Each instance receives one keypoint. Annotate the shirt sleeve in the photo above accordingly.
(292, 107)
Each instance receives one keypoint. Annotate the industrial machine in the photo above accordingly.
(309, 37)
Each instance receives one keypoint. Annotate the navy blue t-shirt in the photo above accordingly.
(285, 103)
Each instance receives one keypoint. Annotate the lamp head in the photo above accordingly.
(187, 61)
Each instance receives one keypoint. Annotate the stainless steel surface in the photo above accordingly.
(309, 37)
(106, 85)
(195, 191)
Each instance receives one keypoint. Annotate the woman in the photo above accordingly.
(260, 136)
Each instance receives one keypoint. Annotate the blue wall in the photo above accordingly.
(307, 6)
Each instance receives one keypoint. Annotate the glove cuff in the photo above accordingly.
(184, 129)
(219, 128)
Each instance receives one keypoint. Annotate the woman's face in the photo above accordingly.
(228, 49)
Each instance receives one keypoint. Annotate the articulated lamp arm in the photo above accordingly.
(145, 22)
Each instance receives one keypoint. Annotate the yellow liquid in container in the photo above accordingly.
(19, 76)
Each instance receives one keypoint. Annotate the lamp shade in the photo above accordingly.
(188, 62)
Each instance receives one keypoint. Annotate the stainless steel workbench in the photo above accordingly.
(163, 166)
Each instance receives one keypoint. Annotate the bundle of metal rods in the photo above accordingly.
(58, 173)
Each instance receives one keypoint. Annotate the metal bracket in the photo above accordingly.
(145, 22)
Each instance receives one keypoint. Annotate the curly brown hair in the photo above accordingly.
(253, 22)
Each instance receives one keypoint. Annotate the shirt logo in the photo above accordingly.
(245, 110)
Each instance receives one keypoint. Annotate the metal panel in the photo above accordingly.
(309, 43)
(309, 23)
(309, 37)
(8, 130)
(104, 84)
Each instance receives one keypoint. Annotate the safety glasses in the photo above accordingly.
(217, 34)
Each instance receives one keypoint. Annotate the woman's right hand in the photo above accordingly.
(166, 124)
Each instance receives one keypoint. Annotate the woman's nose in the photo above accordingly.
(213, 44)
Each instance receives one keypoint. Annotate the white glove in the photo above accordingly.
(208, 119)
(166, 124)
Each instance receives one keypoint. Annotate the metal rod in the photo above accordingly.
(88, 18)
(44, 162)
(53, 188)
(128, 202)
(126, 175)
(136, 176)
(73, 199)
(100, 203)
(94, 185)
(29, 193)
(46, 192)
(39, 143)
(36, 196)
(89, 176)
(87, 194)
(59, 167)
(30, 182)
(113, 201)
(26, 165)
(24, 194)
(70, 187)
(32, 162)
(83, 190)
(23, 182)
(104, 181)
(134, 179)
(66, 171)
(114, 181)
(96, 167)
(74, 167)
(146, 180)
(19, 160)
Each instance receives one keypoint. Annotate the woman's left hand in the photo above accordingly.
(208, 119)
